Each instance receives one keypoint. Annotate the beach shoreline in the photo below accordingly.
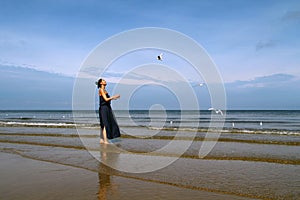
(259, 163)
(217, 177)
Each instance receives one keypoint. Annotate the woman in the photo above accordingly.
(108, 123)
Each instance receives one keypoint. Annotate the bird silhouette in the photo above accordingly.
(160, 57)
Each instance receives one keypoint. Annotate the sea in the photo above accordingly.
(249, 126)
(271, 122)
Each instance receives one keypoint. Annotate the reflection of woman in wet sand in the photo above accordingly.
(108, 123)
(104, 172)
(104, 184)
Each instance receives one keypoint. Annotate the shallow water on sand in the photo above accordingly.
(186, 177)
(240, 166)
(24, 178)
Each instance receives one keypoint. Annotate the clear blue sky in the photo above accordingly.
(248, 40)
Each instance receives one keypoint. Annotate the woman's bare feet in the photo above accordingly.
(104, 142)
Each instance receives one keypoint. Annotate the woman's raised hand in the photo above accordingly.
(116, 97)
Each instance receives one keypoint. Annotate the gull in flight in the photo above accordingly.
(217, 111)
(160, 57)
(199, 84)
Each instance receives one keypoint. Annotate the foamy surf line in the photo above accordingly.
(231, 130)
(37, 124)
(170, 129)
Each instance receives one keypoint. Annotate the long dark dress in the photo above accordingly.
(107, 119)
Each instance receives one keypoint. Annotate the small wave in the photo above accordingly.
(48, 124)
(233, 131)
(38, 124)
(265, 131)
(21, 118)
(176, 129)
(165, 128)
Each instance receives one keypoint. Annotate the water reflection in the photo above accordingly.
(106, 186)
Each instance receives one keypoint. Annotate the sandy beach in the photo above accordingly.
(43, 157)
(24, 178)
(28, 178)
(60, 167)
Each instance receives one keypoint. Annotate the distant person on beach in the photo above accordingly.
(108, 123)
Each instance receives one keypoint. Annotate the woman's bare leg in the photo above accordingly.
(101, 136)
(104, 135)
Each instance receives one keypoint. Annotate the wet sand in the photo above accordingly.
(25, 178)
(210, 179)
(54, 164)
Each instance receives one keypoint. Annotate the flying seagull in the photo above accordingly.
(200, 84)
(217, 111)
(160, 57)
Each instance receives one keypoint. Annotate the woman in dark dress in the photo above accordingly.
(108, 123)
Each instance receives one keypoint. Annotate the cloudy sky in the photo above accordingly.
(254, 44)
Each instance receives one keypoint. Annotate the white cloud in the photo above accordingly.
(273, 80)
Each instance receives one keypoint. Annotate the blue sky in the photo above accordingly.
(249, 41)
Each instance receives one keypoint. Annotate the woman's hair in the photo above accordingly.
(99, 83)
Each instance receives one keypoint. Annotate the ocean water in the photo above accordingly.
(284, 122)
(261, 127)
